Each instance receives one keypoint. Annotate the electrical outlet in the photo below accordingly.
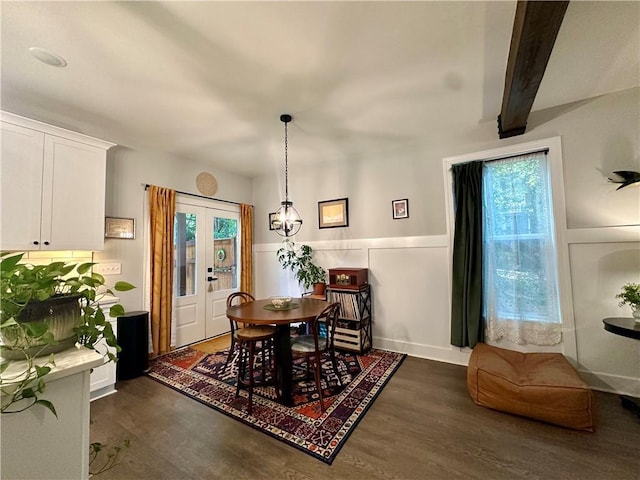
(109, 268)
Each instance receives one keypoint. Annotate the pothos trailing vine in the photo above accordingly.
(23, 381)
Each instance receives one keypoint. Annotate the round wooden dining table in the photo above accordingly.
(261, 312)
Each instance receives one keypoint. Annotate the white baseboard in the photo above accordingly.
(455, 355)
(612, 383)
(102, 392)
(460, 356)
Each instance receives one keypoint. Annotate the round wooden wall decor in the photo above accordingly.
(207, 184)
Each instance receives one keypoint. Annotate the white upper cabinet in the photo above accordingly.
(21, 194)
(52, 187)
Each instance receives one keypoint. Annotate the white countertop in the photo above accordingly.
(67, 362)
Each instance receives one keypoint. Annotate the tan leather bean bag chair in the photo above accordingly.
(543, 386)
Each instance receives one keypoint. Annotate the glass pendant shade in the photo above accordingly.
(287, 220)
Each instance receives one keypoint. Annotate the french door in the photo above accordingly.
(207, 267)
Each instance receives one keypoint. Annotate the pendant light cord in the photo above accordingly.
(287, 220)
(286, 163)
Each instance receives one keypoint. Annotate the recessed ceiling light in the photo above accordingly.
(50, 58)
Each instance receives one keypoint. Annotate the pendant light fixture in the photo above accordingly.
(286, 221)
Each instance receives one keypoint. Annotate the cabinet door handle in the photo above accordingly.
(46, 243)
(35, 242)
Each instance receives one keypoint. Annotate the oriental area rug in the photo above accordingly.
(202, 376)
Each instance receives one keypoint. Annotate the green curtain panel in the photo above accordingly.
(466, 301)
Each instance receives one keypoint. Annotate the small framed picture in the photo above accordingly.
(272, 217)
(333, 213)
(400, 208)
(115, 227)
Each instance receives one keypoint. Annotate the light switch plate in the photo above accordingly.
(109, 268)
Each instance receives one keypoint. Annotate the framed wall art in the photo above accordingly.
(272, 217)
(115, 227)
(333, 213)
(400, 208)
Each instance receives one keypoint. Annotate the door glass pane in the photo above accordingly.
(225, 246)
(185, 254)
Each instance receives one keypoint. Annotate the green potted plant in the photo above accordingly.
(630, 295)
(300, 262)
(45, 309)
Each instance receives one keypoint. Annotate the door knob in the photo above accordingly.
(212, 279)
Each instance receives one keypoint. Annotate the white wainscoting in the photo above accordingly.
(606, 361)
(410, 284)
(409, 278)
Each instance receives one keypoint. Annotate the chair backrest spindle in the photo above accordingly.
(238, 298)
(328, 317)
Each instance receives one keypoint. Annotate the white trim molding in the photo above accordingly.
(14, 119)
(613, 234)
(554, 147)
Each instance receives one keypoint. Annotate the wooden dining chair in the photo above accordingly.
(312, 347)
(239, 329)
(236, 298)
(252, 342)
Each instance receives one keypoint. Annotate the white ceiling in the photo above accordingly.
(207, 81)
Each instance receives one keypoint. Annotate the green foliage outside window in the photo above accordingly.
(517, 198)
(519, 233)
(222, 227)
(225, 228)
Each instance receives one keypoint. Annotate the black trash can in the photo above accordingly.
(133, 338)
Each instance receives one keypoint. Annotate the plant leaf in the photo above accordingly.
(9, 263)
(49, 405)
(85, 267)
(28, 393)
(41, 371)
(36, 329)
(116, 310)
(90, 282)
(98, 278)
(123, 286)
(8, 323)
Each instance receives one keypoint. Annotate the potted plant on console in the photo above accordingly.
(630, 295)
(44, 310)
(300, 262)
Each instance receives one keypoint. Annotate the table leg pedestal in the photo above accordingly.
(285, 367)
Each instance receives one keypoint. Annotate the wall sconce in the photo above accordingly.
(625, 178)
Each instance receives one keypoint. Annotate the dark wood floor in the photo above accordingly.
(422, 426)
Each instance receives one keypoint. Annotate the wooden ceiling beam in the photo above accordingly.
(535, 28)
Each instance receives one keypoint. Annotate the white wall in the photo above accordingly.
(599, 268)
(127, 173)
(409, 259)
